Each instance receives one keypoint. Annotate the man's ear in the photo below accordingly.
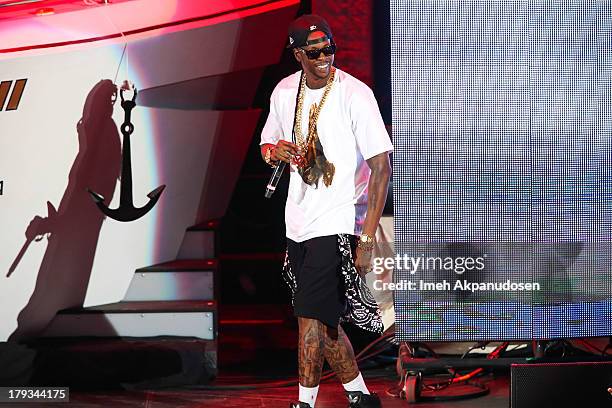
(297, 55)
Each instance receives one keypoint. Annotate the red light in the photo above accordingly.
(212, 224)
(45, 11)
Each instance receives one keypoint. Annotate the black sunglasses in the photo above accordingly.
(314, 54)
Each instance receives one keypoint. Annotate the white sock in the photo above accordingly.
(308, 395)
(356, 385)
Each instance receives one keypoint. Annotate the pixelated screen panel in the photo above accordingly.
(502, 183)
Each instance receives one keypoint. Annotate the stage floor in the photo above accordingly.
(258, 344)
(330, 396)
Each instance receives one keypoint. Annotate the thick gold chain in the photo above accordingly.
(313, 123)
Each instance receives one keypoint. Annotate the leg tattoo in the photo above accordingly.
(339, 354)
(310, 351)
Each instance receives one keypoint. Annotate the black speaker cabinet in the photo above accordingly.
(561, 385)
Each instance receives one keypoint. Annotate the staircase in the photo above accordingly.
(169, 309)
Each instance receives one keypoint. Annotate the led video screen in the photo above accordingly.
(502, 128)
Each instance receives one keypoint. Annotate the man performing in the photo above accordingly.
(326, 124)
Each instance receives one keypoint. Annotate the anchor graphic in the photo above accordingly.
(126, 211)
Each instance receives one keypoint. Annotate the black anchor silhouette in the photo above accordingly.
(126, 211)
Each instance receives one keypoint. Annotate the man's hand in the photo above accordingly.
(363, 261)
(36, 228)
(282, 151)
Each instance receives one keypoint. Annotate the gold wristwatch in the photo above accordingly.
(366, 242)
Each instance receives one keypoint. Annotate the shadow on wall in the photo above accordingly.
(73, 229)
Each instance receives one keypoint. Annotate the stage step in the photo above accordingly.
(196, 319)
(199, 241)
(174, 281)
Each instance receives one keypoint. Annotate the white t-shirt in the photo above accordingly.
(351, 131)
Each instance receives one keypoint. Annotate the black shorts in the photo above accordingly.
(320, 287)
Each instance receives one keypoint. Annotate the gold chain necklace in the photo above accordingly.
(313, 124)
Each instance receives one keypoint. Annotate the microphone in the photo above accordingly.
(276, 175)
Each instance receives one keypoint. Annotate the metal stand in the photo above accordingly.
(414, 386)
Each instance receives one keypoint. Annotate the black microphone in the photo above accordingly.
(276, 175)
